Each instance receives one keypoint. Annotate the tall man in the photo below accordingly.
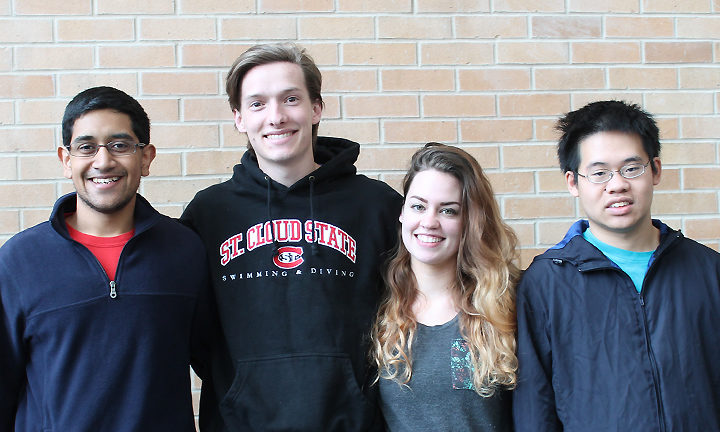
(99, 309)
(295, 241)
(618, 323)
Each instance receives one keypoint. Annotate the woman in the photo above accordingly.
(444, 338)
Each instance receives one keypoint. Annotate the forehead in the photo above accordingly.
(432, 184)
(611, 148)
(102, 123)
(272, 78)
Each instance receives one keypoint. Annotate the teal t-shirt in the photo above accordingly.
(635, 264)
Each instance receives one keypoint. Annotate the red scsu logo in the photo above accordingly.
(288, 257)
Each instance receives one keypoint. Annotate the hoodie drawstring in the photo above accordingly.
(276, 245)
(313, 246)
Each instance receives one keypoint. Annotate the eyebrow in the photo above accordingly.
(281, 92)
(442, 203)
(625, 162)
(120, 135)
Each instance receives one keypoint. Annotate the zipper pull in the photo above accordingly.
(113, 293)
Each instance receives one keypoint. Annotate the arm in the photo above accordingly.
(534, 398)
(12, 370)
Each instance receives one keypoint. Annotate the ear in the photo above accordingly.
(148, 155)
(402, 214)
(64, 157)
(658, 171)
(317, 112)
(571, 183)
(239, 121)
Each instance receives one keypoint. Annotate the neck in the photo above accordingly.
(92, 222)
(288, 175)
(641, 239)
(435, 303)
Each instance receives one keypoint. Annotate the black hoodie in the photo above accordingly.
(296, 304)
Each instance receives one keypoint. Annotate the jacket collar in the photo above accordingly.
(145, 215)
(575, 249)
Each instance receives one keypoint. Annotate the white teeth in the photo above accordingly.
(278, 136)
(105, 180)
(620, 204)
(428, 239)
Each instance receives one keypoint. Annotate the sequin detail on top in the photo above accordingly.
(460, 365)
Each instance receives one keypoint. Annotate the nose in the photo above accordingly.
(103, 158)
(617, 183)
(277, 114)
(429, 220)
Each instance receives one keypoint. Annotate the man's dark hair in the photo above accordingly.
(98, 98)
(604, 116)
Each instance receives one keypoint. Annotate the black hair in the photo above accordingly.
(97, 98)
(605, 116)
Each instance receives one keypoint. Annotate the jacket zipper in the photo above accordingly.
(653, 365)
(113, 293)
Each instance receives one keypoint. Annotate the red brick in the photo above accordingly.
(525, 7)
(456, 53)
(491, 27)
(53, 57)
(420, 131)
(136, 7)
(642, 78)
(26, 86)
(678, 52)
(495, 130)
(705, 27)
(401, 27)
(614, 6)
(384, 54)
(453, 6)
(73, 83)
(458, 105)
(700, 127)
(532, 52)
(534, 104)
(95, 29)
(362, 131)
(336, 27)
(494, 79)
(26, 30)
(136, 56)
(530, 207)
(374, 6)
(566, 27)
(211, 55)
(296, 6)
(206, 109)
(381, 106)
(569, 79)
(44, 7)
(349, 80)
(258, 27)
(679, 103)
(418, 79)
(529, 156)
(639, 27)
(204, 7)
(27, 139)
(606, 52)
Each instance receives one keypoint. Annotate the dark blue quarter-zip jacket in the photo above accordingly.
(79, 352)
(596, 355)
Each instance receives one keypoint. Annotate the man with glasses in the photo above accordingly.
(102, 306)
(619, 323)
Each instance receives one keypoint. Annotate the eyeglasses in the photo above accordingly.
(116, 148)
(629, 171)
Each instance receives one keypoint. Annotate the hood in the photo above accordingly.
(336, 157)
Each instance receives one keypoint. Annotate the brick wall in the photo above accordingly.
(489, 75)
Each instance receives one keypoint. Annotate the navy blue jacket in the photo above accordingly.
(72, 357)
(596, 355)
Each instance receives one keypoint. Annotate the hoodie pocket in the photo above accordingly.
(303, 392)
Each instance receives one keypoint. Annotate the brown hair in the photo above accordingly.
(262, 54)
(484, 288)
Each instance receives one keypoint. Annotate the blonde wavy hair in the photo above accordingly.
(484, 289)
